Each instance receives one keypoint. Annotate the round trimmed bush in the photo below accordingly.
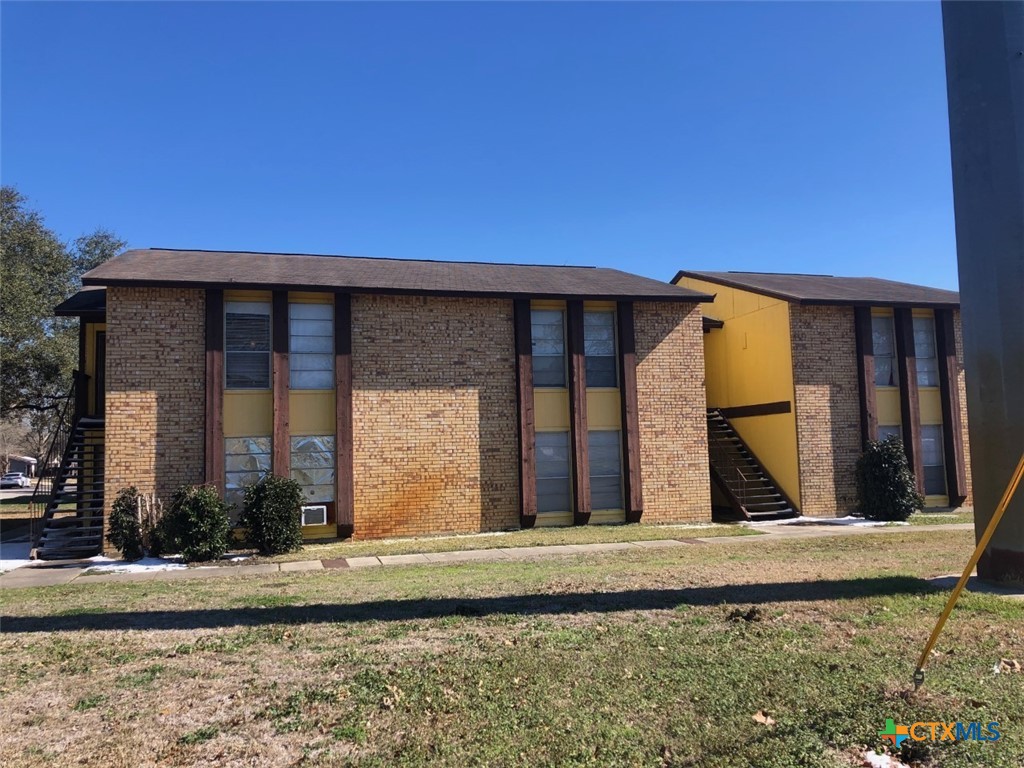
(196, 524)
(885, 485)
(272, 515)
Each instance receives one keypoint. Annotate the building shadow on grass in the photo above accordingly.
(514, 605)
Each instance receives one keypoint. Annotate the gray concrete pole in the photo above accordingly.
(985, 84)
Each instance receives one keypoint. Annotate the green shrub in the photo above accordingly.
(124, 529)
(272, 515)
(885, 485)
(195, 526)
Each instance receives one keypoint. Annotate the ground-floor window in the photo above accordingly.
(247, 459)
(313, 467)
(889, 430)
(553, 494)
(932, 459)
(605, 450)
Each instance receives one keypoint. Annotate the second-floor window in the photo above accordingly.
(599, 346)
(311, 346)
(548, 335)
(883, 338)
(924, 352)
(247, 345)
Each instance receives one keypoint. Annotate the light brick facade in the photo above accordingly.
(827, 404)
(962, 389)
(155, 400)
(434, 413)
(672, 412)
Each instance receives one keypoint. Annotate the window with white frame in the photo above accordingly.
(883, 339)
(925, 352)
(246, 460)
(605, 451)
(548, 337)
(932, 460)
(313, 467)
(552, 456)
(247, 345)
(599, 349)
(311, 346)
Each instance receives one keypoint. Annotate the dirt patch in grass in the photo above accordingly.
(657, 657)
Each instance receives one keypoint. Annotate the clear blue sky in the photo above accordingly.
(802, 137)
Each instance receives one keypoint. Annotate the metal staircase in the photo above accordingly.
(752, 492)
(72, 524)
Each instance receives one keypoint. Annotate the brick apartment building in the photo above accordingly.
(406, 397)
(802, 370)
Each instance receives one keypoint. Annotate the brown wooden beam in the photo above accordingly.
(80, 378)
(949, 389)
(866, 375)
(346, 515)
(757, 409)
(910, 406)
(578, 414)
(281, 448)
(215, 388)
(527, 422)
(631, 479)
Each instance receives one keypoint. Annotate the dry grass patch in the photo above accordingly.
(657, 657)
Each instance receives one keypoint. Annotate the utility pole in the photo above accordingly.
(985, 83)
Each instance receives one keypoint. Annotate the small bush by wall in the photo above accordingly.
(272, 516)
(196, 525)
(885, 485)
(124, 529)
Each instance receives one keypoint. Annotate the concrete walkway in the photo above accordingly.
(46, 574)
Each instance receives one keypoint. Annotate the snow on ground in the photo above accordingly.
(14, 554)
(145, 565)
(876, 760)
(804, 520)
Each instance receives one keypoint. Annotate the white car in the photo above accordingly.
(14, 480)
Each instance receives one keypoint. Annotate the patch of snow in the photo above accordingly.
(14, 554)
(145, 565)
(884, 760)
(804, 520)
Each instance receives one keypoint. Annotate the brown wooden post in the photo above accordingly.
(910, 406)
(527, 422)
(866, 374)
(80, 378)
(215, 388)
(281, 449)
(949, 390)
(343, 404)
(578, 414)
(632, 484)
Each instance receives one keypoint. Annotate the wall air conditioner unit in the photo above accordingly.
(314, 514)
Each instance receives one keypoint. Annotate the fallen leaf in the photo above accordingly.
(761, 717)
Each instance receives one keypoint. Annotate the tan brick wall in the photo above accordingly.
(434, 413)
(672, 411)
(962, 386)
(156, 403)
(827, 408)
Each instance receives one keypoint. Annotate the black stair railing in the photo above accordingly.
(50, 466)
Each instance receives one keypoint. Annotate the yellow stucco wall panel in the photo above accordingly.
(311, 412)
(551, 409)
(248, 414)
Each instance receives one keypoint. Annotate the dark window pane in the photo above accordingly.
(606, 493)
(553, 495)
(601, 372)
(548, 371)
(935, 481)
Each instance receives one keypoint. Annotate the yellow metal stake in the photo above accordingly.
(982, 543)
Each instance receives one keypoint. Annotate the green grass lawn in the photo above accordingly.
(942, 518)
(535, 537)
(646, 658)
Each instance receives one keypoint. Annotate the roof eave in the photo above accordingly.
(681, 298)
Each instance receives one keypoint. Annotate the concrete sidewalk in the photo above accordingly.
(46, 574)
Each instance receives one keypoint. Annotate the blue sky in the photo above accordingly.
(797, 137)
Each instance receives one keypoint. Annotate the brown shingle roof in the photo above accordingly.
(230, 269)
(88, 301)
(826, 289)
